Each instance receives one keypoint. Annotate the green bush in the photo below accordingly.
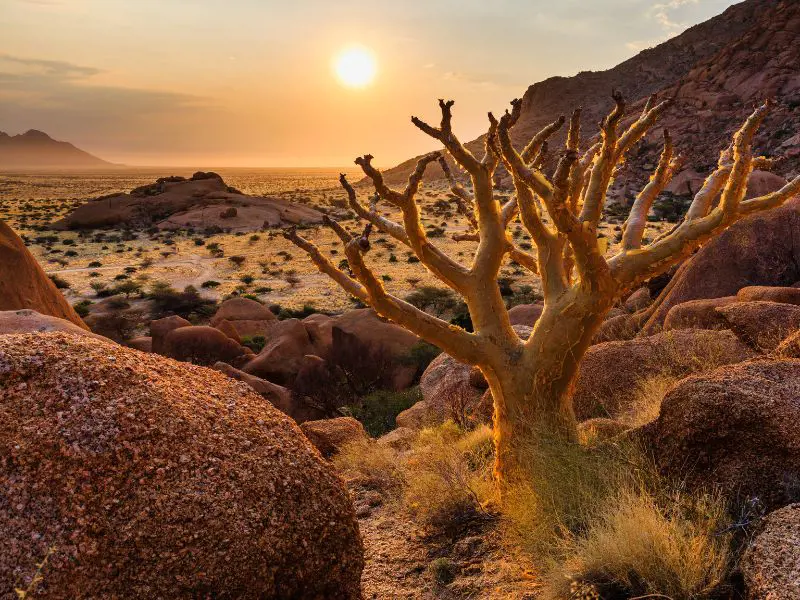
(378, 410)
(256, 343)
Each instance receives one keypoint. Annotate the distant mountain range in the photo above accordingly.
(36, 149)
(717, 71)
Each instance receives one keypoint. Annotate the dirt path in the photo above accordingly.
(399, 556)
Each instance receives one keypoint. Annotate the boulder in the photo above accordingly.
(737, 427)
(448, 392)
(758, 250)
(771, 564)
(30, 321)
(525, 314)
(144, 477)
(203, 201)
(784, 295)
(610, 373)
(282, 356)
(143, 344)
(160, 328)
(638, 300)
(762, 325)
(24, 284)
(378, 346)
(242, 309)
(320, 332)
(228, 329)
(620, 327)
(280, 397)
(418, 416)
(698, 314)
(202, 345)
(329, 435)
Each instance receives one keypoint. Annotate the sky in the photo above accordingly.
(214, 83)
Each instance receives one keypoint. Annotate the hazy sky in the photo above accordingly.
(250, 82)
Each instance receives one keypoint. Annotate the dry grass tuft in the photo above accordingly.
(445, 479)
(649, 547)
(449, 475)
(373, 465)
(602, 518)
(646, 403)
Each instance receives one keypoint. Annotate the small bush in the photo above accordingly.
(443, 571)
(602, 519)
(82, 307)
(377, 411)
(642, 548)
(432, 299)
(646, 402)
(61, 284)
(449, 476)
(373, 465)
(421, 355)
(210, 284)
(256, 343)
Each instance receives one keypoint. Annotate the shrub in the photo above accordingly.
(602, 521)
(641, 547)
(432, 299)
(449, 476)
(377, 411)
(256, 343)
(373, 465)
(646, 402)
(210, 284)
(60, 283)
(188, 304)
(82, 307)
(421, 355)
(443, 570)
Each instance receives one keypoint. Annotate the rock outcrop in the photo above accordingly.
(30, 321)
(762, 325)
(610, 373)
(24, 285)
(329, 435)
(201, 202)
(771, 564)
(148, 478)
(761, 250)
(737, 427)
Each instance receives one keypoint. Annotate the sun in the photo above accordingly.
(355, 67)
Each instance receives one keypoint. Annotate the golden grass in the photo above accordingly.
(672, 549)
(646, 402)
(603, 517)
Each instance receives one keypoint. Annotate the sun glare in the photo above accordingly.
(355, 67)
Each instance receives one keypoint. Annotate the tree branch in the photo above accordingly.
(634, 227)
(448, 139)
(455, 341)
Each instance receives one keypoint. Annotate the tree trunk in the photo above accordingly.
(532, 390)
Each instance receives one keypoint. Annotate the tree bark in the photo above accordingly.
(532, 387)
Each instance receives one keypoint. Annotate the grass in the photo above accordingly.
(642, 546)
(443, 481)
(601, 519)
(646, 402)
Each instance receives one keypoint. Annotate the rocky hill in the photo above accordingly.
(36, 149)
(718, 69)
(200, 202)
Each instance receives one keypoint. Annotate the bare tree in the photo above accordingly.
(530, 379)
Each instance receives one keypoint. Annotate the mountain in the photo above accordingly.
(36, 149)
(717, 70)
